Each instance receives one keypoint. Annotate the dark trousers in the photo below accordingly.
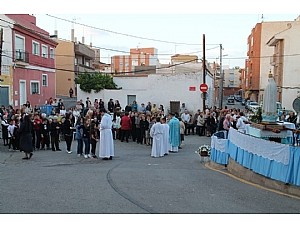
(87, 143)
(68, 139)
(55, 142)
(138, 135)
(125, 133)
(37, 139)
(11, 143)
(185, 128)
(45, 141)
(133, 134)
(94, 144)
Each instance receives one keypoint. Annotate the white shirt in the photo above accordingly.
(241, 126)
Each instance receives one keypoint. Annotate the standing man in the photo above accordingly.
(71, 92)
(174, 136)
(185, 119)
(111, 105)
(106, 148)
(166, 130)
(156, 133)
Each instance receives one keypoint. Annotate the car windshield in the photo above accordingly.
(253, 103)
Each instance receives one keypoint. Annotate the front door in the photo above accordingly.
(4, 96)
(131, 99)
(23, 97)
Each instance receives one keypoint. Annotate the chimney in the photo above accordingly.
(72, 35)
(91, 45)
(75, 39)
(83, 39)
(56, 33)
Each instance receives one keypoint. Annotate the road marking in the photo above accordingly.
(253, 184)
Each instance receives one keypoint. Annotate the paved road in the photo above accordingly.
(133, 182)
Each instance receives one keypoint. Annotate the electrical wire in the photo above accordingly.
(125, 34)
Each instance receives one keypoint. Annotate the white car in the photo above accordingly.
(253, 106)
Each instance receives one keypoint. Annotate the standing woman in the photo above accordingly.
(68, 132)
(26, 130)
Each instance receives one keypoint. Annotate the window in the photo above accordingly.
(51, 53)
(44, 80)
(35, 87)
(76, 61)
(19, 48)
(35, 48)
(45, 51)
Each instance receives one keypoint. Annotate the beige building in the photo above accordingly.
(284, 62)
(72, 58)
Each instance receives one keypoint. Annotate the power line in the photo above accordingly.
(124, 34)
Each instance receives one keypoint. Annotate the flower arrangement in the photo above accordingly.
(204, 150)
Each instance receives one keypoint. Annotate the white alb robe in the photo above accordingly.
(156, 133)
(106, 147)
(166, 138)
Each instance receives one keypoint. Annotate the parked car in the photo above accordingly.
(238, 98)
(230, 100)
(243, 102)
(253, 106)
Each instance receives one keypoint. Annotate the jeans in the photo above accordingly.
(87, 143)
(79, 146)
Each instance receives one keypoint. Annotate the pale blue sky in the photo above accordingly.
(230, 30)
(223, 22)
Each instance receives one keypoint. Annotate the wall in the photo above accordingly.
(35, 75)
(7, 60)
(157, 89)
(269, 29)
(291, 68)
(64, 59)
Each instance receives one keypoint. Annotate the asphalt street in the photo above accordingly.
(131, 183)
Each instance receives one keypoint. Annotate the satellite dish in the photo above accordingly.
(296, 104)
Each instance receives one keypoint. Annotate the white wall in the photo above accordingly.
(291, 66)
(269, 29)
(157, 89)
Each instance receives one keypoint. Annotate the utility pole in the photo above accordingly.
(1, 42)
(204, 73)
(221, 80)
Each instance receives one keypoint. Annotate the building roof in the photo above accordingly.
(28, 22)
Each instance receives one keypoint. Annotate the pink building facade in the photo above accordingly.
(33, 54)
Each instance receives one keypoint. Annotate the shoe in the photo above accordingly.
(110, 158)
(69, 152)
(166, 154)
(179, 147)
(58, 150)
(25, 158)
(53, 150)
(30, 155)
(89, 155)
(85, 156)
(94, 156)
(78, 155)
(104, 158)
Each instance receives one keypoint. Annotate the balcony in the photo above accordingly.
(21, 57)
(83, 50)
(82, 69)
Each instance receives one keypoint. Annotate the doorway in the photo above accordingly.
(22, 91)
(4, 95)
(131, 99)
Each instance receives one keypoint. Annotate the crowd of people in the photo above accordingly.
(90, 123)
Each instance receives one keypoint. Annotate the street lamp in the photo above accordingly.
(221, 79)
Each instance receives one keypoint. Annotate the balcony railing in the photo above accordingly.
(21, 56)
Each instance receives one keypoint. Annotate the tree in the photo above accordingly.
(95, 81)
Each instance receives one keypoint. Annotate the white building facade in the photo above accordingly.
(285, 63)
(157, 89)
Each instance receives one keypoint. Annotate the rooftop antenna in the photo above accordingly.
(262, 18)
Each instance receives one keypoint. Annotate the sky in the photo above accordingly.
(223, 22)
(230, 30)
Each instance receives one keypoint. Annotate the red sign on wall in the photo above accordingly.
(192, 88)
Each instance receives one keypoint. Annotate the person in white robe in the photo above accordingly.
(156, 133)
(106, 147)
(165, 136)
